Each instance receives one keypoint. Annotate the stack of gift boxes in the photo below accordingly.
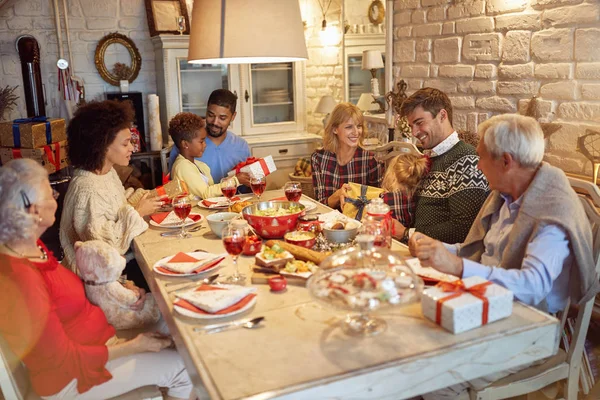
(40, 138)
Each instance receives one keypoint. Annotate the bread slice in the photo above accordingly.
(275, 264)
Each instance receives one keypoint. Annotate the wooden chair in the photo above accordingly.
(390, 150)
(15, 384)
(164, 163)
(564, 365)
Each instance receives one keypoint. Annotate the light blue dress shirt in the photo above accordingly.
(544, 273)
(222, 158)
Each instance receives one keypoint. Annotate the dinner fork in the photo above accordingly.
(244, 323)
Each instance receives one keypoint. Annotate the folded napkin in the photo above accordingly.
(219, 204)
(182, 263)
(170, 218)
(429, 275)
(223, 299)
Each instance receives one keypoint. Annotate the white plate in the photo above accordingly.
(200, 255)
(177, 225)
(216, 200)
(192, 314)
(308, 205)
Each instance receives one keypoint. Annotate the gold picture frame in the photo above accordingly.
(376, 12)
(162, 16)
(106, 71)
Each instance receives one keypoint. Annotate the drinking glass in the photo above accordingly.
(234, 238)
(228, 188)
(293, 190)
(258, 185)
(182, 208)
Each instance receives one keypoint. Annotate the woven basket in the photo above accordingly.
(306, 183)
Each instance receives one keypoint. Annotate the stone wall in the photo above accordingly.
(89, 21)
(492, 56)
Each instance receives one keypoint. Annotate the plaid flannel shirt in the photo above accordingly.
(402, 205)
(328, 176)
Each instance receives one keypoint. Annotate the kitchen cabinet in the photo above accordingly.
(357, 80)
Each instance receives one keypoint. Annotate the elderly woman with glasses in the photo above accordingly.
(67, 345)
(96, 205)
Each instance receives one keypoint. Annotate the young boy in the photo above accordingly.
(188, 132)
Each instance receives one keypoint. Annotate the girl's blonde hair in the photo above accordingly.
(404, 173)
(340, 114)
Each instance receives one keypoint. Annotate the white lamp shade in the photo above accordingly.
(242, 31)
(372, 59)
(326, 105)
(366, 102)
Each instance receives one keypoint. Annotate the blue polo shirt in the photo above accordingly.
(222, 158)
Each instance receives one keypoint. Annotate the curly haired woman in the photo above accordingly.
(96, 205)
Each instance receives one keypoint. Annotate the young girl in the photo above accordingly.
(400, 181)
(189, 134)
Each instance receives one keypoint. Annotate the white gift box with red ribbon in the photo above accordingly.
(255, 167)
(466, 304)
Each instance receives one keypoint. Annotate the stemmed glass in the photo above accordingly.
(293, 190)
(234, 237)
(258, 185)
(182, 207)
(228, 188)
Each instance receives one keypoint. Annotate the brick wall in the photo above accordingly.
(89, 21)
(492, 56)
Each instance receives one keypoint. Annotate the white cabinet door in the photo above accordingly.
(273, 98)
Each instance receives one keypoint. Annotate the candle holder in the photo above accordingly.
(181, 24)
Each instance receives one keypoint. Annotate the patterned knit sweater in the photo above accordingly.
(450, 196)
(96, 207)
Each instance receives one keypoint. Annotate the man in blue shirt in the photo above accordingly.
(531, 235)
(224, 149)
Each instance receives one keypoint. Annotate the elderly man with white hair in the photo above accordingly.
(531, 235)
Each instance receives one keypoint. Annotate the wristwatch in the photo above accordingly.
(405, 236)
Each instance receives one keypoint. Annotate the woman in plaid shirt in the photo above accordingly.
(342, 159)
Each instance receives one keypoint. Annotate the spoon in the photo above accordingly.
(248, 324)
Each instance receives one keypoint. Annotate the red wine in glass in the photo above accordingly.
(293, 194)
(258, 188)
(234, 245)
(182, 210)
(228, 192)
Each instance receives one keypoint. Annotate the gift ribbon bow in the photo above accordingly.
(387, 221)
(460, 288)
(17, 133)
(359, 202)
(54, 159)
(252, 160)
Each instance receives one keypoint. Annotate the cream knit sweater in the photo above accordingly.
(96, 207)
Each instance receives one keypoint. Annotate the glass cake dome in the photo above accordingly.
(364, 279)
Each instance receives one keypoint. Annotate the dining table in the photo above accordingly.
(300, 350)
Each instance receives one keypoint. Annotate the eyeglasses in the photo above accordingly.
(27, 202)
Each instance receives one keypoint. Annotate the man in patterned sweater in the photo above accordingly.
(450, 196)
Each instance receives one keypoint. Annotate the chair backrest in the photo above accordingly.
(14, 379)
(164, 163)
(392, 149)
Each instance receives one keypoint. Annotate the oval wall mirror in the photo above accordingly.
(117, 58)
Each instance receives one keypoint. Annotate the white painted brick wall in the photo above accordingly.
(89, 21)
(492, 56)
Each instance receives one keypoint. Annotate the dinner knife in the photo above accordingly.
(222, 325)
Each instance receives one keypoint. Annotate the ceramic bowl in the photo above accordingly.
(341, 235)
(301, 238)
(218, 221)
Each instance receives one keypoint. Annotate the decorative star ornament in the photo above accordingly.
(547, 127)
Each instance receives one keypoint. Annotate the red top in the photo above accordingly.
(50, 325)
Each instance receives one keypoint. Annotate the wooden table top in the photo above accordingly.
(300, 352)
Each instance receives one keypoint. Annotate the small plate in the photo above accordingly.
(192, 314)
(308, 205)
(430, 274)
(221, 199)
(176, 225)
(200, 255)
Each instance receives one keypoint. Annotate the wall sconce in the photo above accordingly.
(372, 60)
(326, 105)
(233, 32)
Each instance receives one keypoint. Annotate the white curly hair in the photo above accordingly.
(19, 179)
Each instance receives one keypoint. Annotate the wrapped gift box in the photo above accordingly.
(170, 190)
(32, 133)
(460, 305)
(53, 157)
(255, 167)
(357, 198)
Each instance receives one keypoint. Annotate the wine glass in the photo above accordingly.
(293, 190)
(258, 185)
(228, 188)
(234, 238)
(182, 208)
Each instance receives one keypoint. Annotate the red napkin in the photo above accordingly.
(160, 217)
(196, 271)
(210, 203)
(240, 304)
(280, 199)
